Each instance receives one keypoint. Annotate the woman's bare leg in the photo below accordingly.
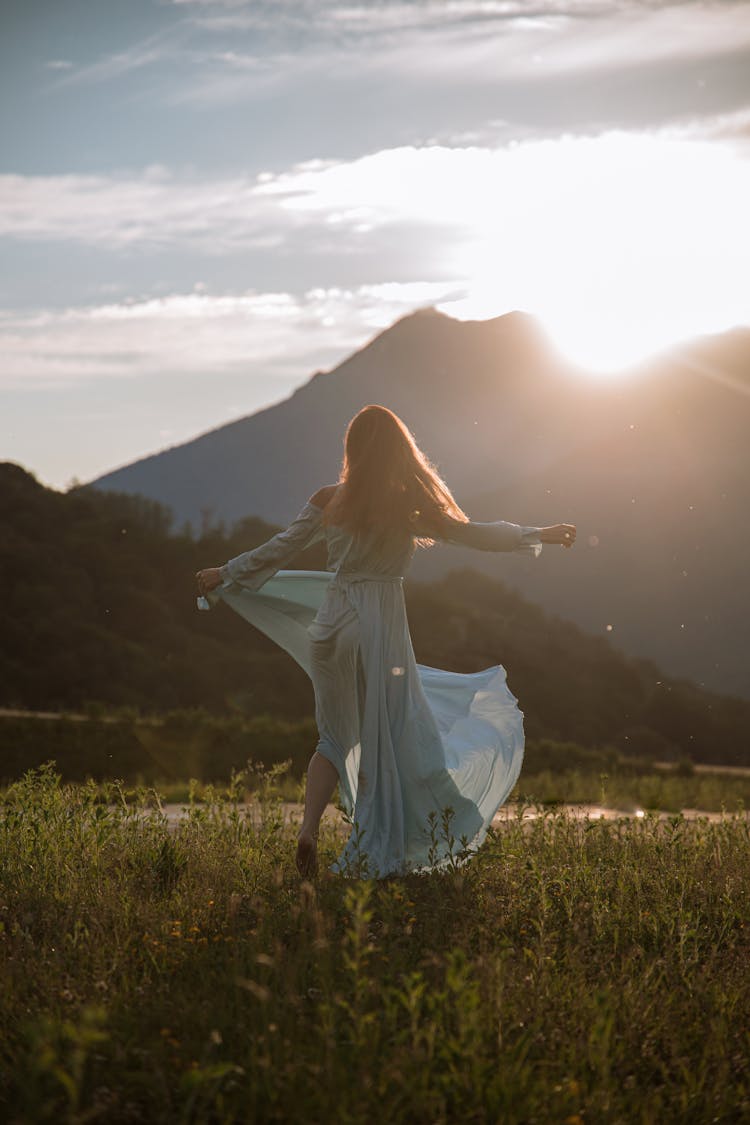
(322, 778)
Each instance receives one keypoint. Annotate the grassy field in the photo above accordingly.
(573, 972)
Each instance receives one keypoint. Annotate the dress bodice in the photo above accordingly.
(370, 553)
(373, 552)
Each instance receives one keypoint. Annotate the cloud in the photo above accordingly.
(627, 241)
(158, 209)
(347, 87)
(734, 126)
(458, 190)
(120, 211)
(318, 18)
(634, 35)
(284, 335)
(320, 66)
(316, 15)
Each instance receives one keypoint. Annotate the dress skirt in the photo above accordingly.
(425, 757)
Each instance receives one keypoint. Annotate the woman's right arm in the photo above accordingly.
(563, 534)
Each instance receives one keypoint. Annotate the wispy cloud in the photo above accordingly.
(159, 209)
(528, 38)
(287, 335)
(451, 54)
(152, 208)
(317, 17)
(455, 63)
(154, 49)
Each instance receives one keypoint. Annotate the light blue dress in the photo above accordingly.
(415, 748)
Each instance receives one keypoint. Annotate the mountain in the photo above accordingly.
(471, 392)
(99, 607)
(652, 466)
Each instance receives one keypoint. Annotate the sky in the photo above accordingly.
(202, 202)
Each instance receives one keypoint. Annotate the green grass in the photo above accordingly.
(572, 972)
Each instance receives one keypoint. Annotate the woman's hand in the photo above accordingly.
(208, 579)
(563, 533)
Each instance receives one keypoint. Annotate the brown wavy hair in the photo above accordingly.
(386, 481)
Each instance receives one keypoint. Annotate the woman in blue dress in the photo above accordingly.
(423, 757)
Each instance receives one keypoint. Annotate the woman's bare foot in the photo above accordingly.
(307, 854)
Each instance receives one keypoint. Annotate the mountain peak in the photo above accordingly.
(425, 319)
(425, 311)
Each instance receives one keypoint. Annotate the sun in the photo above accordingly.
(622, 244)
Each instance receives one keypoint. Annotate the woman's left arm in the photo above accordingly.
(504, 536)
(253, 568)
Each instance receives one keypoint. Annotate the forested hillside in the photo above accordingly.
(99, 606)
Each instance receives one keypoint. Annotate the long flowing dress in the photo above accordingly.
(425, 757)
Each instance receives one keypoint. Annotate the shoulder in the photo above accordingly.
(323, 497)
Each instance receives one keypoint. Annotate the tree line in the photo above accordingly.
(99, 608)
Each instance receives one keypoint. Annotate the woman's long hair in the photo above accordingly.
(387, 483)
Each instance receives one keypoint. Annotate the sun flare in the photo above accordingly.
(622, 245)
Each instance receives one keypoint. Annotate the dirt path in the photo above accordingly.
(293, 813)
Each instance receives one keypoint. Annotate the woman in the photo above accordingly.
(422, 757)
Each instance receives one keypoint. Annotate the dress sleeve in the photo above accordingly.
(255, 567)
(498, 536)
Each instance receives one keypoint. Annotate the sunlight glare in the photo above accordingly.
(621, 244)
